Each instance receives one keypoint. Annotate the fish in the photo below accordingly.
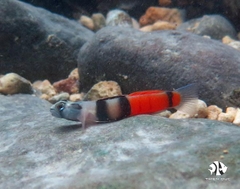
(116, 108)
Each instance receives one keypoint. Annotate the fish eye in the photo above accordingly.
(61, 106)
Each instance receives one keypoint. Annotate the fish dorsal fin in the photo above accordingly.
(145, 92)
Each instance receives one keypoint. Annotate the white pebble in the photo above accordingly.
(237, 118)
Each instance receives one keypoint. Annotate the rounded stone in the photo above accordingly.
(13, 83)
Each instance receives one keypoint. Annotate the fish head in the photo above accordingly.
(67, 110)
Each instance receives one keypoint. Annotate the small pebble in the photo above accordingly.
(227, 40)
(228, 116)
(69, 85)
(225, 151)
(74, 74)
(103, 89)
(237, 117)
(13, 83)
(235, 45)
(179, 115)
(118, 18)
(99, 21)
(44, 87)
(87, 22)
(147, 28)
(76, 97)
(163, 25)
(213, 112)
(231, 42)
(154, 14)
(58, 97)
(165, 113)
(44, 96)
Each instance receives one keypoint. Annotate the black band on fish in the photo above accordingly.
(101, 110)
(125, 107)
(170, 96)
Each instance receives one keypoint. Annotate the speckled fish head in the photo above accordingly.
(67, 110)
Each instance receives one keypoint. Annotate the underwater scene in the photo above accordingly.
(120, 94)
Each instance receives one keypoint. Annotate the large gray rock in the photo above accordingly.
(215, 26)
(161, 60)
(40, 151)
(38, 44)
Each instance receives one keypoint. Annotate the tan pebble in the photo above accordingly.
(87, 22)
(231, 110)
(225, 117)
(237, 117)
(58, 97)
(165, 113)
(228, 116)
(76, 97)
(44, 96)
(225, 151)
(103, 89)
(213, 112)
(13, 83)
(99, 21)
(227, 40)
(74, 74)
(202, 110)
(231, 42)
(222, 157)
(154, 14)
(45, 87)
(163, 25)
(179, 115)
(147, 28)
(235, 45)
(206, 36)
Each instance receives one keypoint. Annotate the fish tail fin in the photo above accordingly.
(189, 99)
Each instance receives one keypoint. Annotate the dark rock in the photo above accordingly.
(214, 26)
(196, 8)
(161, 60)
(36, 43)
(40, 151)
(67, 8)
(74, 8)
(136, 8)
